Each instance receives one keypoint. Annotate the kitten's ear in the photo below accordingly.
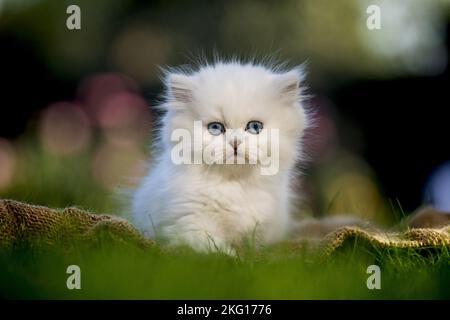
(290, 84)
(179, 89)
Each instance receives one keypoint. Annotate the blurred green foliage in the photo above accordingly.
(273, 273)
(133, 37)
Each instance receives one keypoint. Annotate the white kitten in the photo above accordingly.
(214, 206)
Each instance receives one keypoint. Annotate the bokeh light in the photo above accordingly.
(125, 118)
(437, 190)
(321, 138)
(350, 189)
(64, 129)
(410, 30)
(95, 89)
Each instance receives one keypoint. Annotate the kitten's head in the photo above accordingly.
(248, 113)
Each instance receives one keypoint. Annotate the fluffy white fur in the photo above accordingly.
(213, 207)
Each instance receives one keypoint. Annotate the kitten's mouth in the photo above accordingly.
(236, 157)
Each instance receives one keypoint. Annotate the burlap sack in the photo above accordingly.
(415, 239)
(36, 225)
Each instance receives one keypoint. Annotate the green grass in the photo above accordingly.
(110, 271)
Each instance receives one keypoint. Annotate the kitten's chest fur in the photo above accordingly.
(233, 207)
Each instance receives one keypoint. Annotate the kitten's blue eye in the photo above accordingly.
(254, 127)
(216, 128)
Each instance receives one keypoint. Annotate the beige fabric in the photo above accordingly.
(20, 222)
(411, 239)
